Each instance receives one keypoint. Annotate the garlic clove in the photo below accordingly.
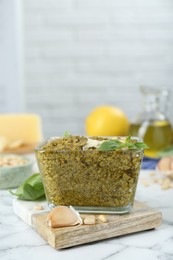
(164, 164)
(63, 216)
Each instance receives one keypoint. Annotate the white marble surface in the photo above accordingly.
(19, 241)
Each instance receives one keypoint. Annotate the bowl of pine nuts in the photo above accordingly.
(14, 169)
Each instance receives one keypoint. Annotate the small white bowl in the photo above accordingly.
(13, 176)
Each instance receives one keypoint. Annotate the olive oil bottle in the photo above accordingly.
(152, 125)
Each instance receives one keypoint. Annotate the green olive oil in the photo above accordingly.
(158, 136)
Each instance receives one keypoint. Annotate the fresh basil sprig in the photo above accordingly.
(67, 134)
(31, 189)
(111, 145)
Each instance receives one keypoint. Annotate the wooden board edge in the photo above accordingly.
(65, 238)
(152, 222)
(45, 233)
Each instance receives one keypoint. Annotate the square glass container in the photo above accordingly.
(89, 180)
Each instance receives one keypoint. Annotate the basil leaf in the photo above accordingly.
(30, 189)
(128, 139)
(111, 145)
(67, 134)
(31, 193)
(140, 145)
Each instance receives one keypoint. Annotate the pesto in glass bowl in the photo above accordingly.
(92, 174)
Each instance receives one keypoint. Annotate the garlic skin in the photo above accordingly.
(63, 216)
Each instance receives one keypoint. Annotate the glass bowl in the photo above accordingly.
(89, 180)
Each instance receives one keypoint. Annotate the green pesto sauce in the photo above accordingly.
(72, 176)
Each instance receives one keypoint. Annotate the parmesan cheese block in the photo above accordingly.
(24, 127)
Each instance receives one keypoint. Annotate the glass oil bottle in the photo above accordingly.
(151, 124)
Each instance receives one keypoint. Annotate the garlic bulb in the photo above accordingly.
(63, 216)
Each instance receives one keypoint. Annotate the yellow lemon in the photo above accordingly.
(107, 121)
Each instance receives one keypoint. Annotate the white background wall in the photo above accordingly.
(83, 53)
(11, 55)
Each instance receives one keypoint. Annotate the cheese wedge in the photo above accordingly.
(24, 127)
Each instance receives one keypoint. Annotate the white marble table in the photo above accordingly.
(18, 241)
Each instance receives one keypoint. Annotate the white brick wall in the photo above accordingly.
(83, 53)
(11, 74)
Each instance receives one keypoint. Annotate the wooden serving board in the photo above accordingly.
(141, 218)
